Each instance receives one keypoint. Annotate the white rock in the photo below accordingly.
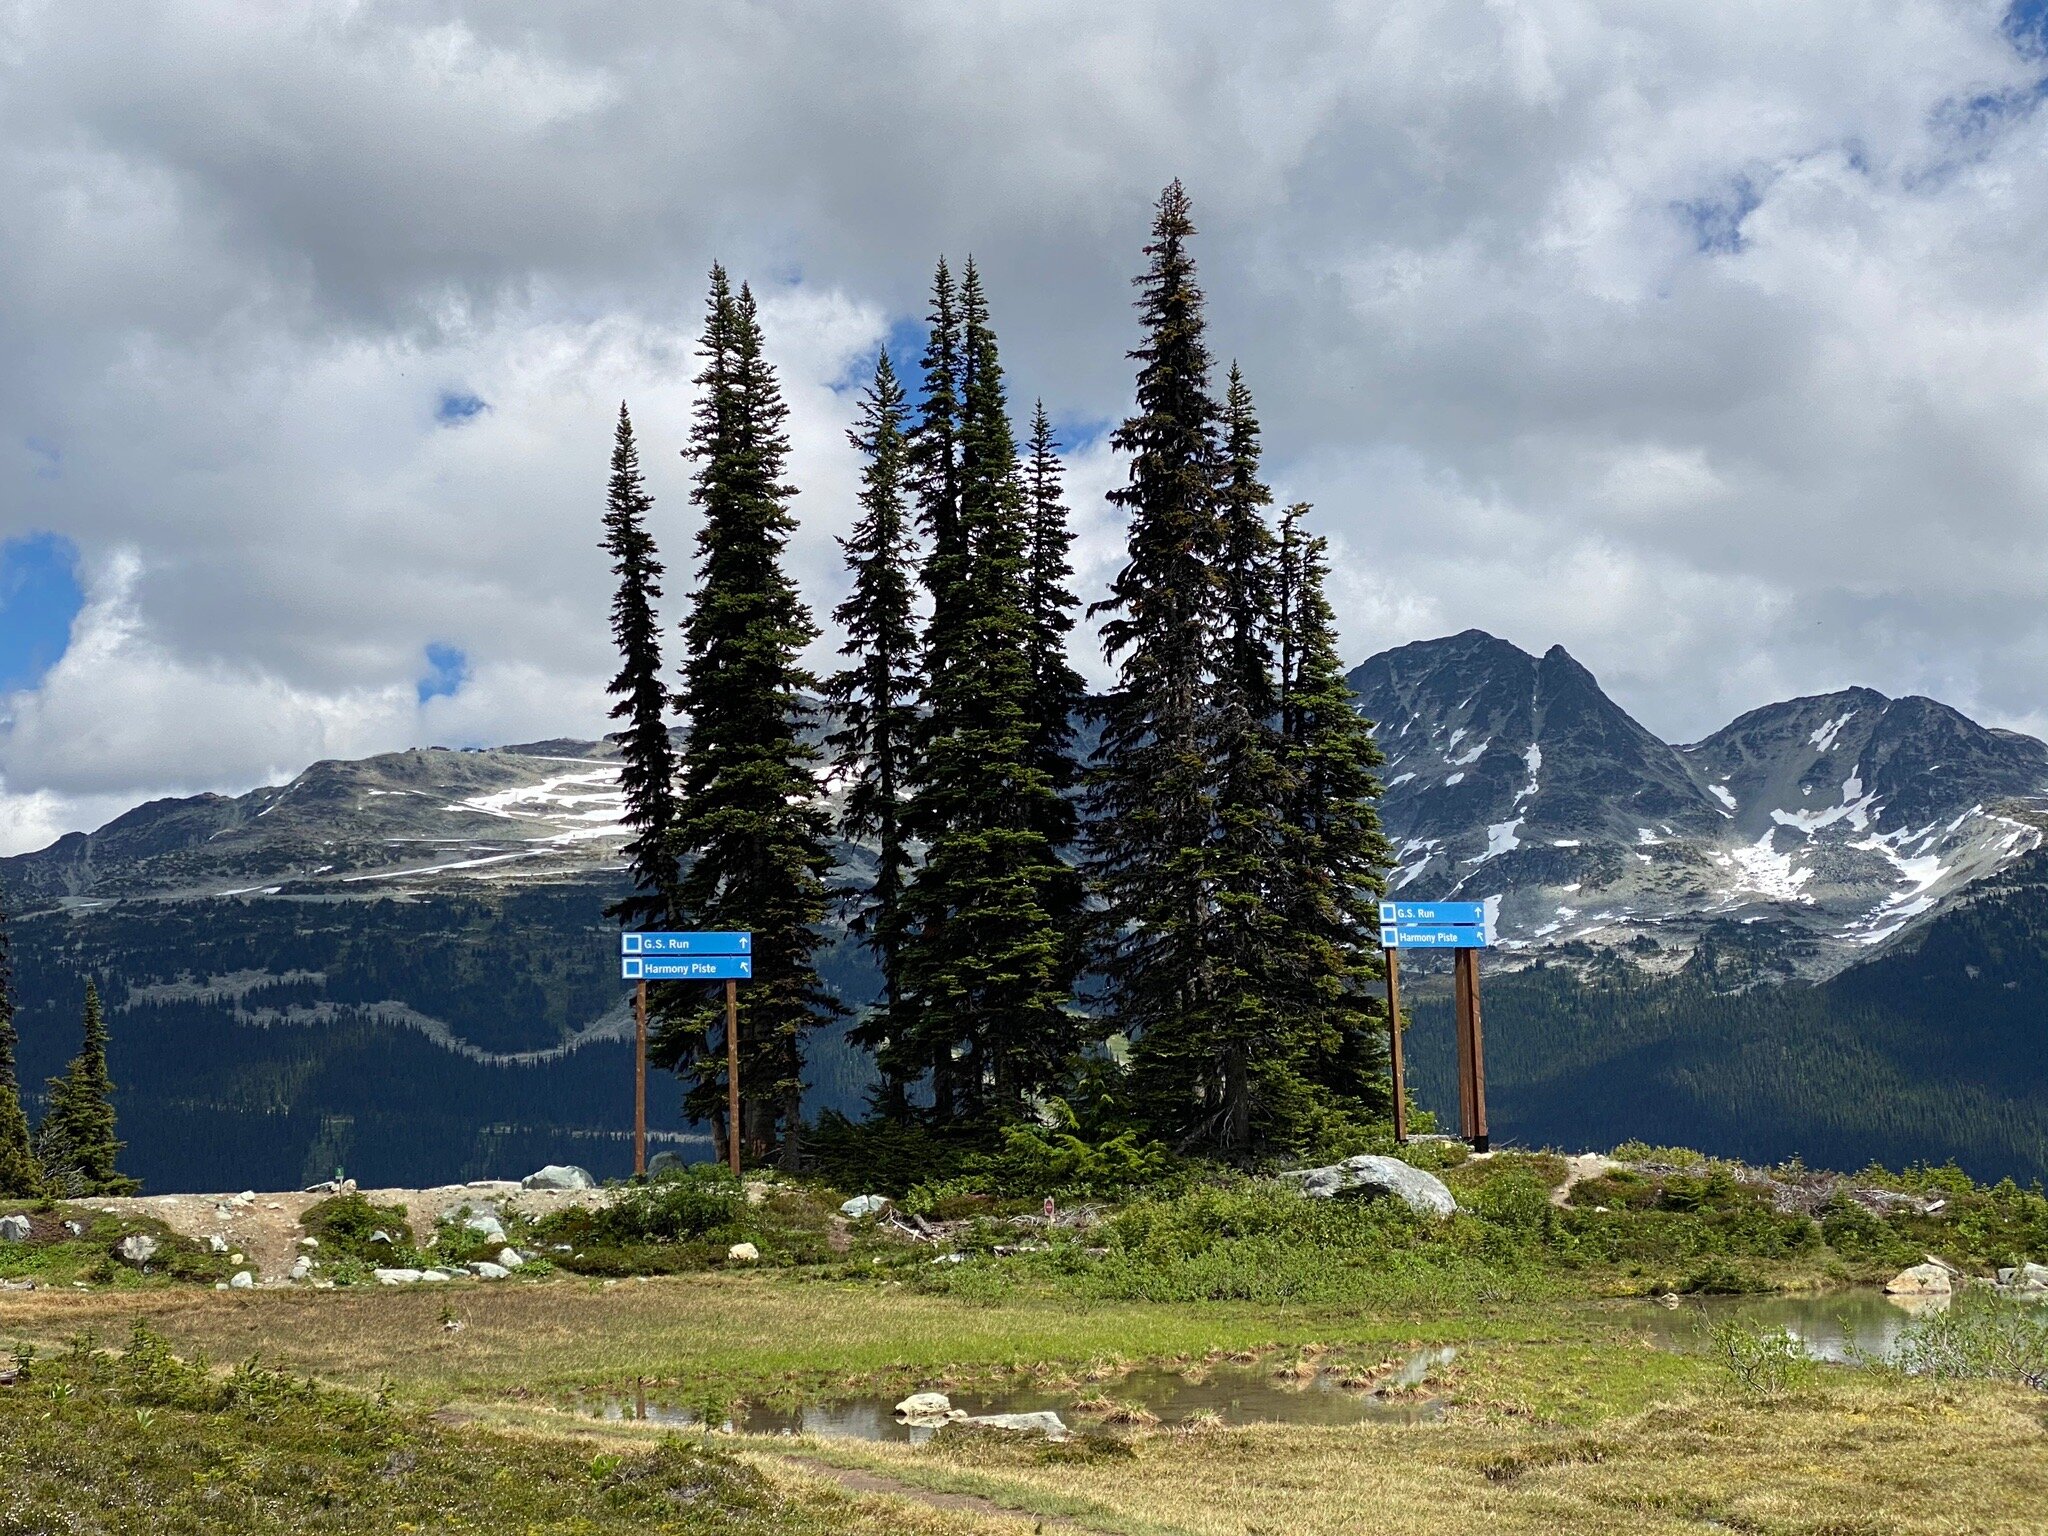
(510, 1258)
(1920, 1280)
(488, 1227)
(302, 1268)
(744, 1253)
(136, 1248)
(242, 1281)
(483, 1269)
(924, 1408)
(216, 1244)
(862, 1206)
(246, 1197)
(396, 1276)
(380, 1236)
(559, 1176)
(1370, 1175)
(432, 1275)
(309, 1242)
(13, 1229)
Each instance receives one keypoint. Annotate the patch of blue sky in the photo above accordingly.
(905, 341)
(40, 596)
(447, 670)
(459, 406)
(2026, 24)
(1716, 222)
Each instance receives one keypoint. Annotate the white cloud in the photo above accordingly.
(1701, 339)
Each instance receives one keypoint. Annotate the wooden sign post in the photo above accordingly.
(732, 1075)
(1463, 928)
(640, 1077)
(726, 957)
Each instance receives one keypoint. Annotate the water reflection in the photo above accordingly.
(1842, 1326)
(1235, 1394)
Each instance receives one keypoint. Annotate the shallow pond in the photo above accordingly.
(1838, 1326)
(1237, 1394)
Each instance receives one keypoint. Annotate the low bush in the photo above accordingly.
(1979, 1335)
(1766, 1364)
(346, 1227)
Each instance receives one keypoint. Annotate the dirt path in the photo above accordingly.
(265, 1229)
(859, 1481)
(1587, 1165)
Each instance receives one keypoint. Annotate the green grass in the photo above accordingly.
(55, 1257)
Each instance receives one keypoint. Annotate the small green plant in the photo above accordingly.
(1766, 1364)
(1979, 1335)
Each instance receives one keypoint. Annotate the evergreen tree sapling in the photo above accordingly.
(1338, 854)
(749, 815)
(75, 1142)
(647, 758)
(20, 1173)
(875, 698)
(987, 969)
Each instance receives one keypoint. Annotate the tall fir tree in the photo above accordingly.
(1337, 853)
(876, 697)
(76, 1143)
(647, 757)
(20, 1173)
(987, 967)
(1228, 1078)
(934, 456)
(1049, 604)
(1149, 781)
(749, 817)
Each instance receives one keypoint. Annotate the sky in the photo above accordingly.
(1708, 341)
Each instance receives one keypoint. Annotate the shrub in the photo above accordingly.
(1977, 1335)
(1765, 1363)
(704, 1200)
(344, 1224)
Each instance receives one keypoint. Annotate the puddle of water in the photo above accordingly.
(1840, 1326)
(1237, 1394)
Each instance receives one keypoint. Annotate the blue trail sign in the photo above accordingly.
(1455, 914)
(686, 943)
(1420, 936)
(686, 968)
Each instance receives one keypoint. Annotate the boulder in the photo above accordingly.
(1370, 1175)
(1920, 1280)
(1049, 1424)
(484, 1269)
(436, 1276)
(743, 1253)
(666, 1165)
(924, 1408)
(559, 1176)
(395, 1276)
(137, 1248)
(2029, 1278)
(13, 1229)
(302, 1268)
(216, 1244)
(862, 1206)
(242, 1280)
(511, 1258)
(488, 1227)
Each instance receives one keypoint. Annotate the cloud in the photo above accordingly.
(1698, 338)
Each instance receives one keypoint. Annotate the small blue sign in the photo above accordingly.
(683, 968)
(1450, 914)
(1419, 936)
(686, 943)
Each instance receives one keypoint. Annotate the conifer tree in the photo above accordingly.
(75, 1143)
(1338, 855)
(934, 455)
(20, 1174)
(1228, 1076)
(647, 758)
(876, 697)
(1149, 780)
(749, 816)
(1049, 603)
(988, 968)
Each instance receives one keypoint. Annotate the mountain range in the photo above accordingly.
(400, 964)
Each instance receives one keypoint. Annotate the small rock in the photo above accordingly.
(395, 1276)
(242, 1280)
(223, 1213)
(309, 1242)
(488, 1227)
(1920, 1280)
(137, 1248)
(246, 1197)
(302, 1268)
(235, 1258)
(13, 1229)
(216, 1244)
(483, 1269)
(434, 1275)
(1370, 1175)
(743, 1253)
(862, 1206)
(559, 1176)
(75, 1228)
(510, 1258)
(380, 1236)
(1051, 1425)
(2028, 1277)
